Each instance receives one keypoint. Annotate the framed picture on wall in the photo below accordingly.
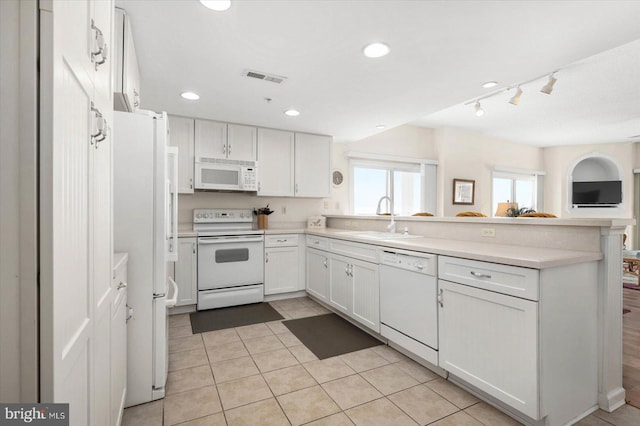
(464, 191)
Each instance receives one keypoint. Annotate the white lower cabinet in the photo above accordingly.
(280, 270)
(355, 290)
(118, 342)
(283, 264)
(118, 360)
(340, 283)
(318, 274)
(490, 340)
(525, 337)
(186, 271)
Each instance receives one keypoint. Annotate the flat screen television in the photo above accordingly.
(606, 192)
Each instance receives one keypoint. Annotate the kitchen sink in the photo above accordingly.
(379, 235)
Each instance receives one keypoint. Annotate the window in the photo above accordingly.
(411, 186)
(521, 188)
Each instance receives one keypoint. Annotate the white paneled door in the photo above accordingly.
(75, 206)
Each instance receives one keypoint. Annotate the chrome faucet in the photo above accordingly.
(392, 226)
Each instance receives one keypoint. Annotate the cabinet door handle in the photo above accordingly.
(101, 127)
(193, 248)
(479, 275)
(325, 263)
(122, 285)
(296, 188)
(228, 149)
(224, 149)
(266, 258)
(101, 47)
(316, 242)
(282, 241)
(419, 266)
(440, 298)
(346, 270)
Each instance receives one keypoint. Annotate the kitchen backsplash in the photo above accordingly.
(286, 210)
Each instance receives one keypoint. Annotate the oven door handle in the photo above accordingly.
(226, 240)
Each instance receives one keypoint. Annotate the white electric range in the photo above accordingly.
(230, 258)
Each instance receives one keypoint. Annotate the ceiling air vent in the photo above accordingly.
(264, 76)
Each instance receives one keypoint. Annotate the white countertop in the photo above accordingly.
(508, 254)
(604, 222)
(517, 255)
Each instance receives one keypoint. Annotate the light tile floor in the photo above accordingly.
(260, 375)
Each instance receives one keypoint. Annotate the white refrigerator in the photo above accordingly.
(145, 171)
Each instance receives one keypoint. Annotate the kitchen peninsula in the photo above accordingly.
(577, 286)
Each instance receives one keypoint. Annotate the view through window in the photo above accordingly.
(373, 180)
(519, 188)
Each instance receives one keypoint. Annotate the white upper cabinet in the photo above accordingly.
(275, 163)
(293, 164)
(181, 134)
(312, 165)
(127, 74)
(214, 139)
(241, 142)
(211, 139)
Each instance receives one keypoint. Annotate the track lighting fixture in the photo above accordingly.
(515, 100)
(548, 88)
(479, 110)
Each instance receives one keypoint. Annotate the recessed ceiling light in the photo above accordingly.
(190, 96)
(217, 5)
(489, 84)
(381, 126)
(376, 50)
(292, 112)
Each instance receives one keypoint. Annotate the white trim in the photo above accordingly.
(518, 171)
(384, 157)
(636, 171)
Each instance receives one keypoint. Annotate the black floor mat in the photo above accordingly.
(235, 316)
(329, 335)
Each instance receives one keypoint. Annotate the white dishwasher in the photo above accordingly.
(408, 301)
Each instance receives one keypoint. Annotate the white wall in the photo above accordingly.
(403, 141)
(467, 155)
(9, 208)
(558, 160)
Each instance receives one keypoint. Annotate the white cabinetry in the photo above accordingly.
(275, 163)
(312, 165)
(127, 74)
(345, 275)
(210, 139)
(217, 140)
(75, 250)
(317, 274)
(181, 135)
(241, 142)
(513, 334)
(293, 164)
(186, 271)
(118, 371)
(282, 264)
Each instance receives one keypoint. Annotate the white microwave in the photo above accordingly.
(226, 177)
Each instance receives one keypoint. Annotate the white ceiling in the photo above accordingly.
(441, 53)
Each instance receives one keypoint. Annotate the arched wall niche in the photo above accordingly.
(594, 167)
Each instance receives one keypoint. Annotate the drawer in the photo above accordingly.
(360, 251)
(505, 279)
(320, 243)
(281, 240)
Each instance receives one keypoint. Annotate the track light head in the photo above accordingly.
(515, 100)
(548, 88)
(479, 110)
